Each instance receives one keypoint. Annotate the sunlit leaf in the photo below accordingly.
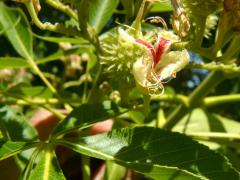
(16, 125)
(156, 153)
(47, 168)
(10, 148)
(16, 62)
(201, 121)
(17, 30)
(97, 12)
(61, 53)
(12, 63)
(114, 171)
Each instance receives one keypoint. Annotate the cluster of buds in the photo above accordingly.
(149, 59)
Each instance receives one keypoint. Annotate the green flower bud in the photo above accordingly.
(120, 51)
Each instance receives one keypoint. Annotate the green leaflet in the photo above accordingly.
(17, 30)
(47, 168)
(10, 148)
(97, 12)
(156, 153)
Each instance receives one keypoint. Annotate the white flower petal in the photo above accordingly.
(171, 63)
(140, 70)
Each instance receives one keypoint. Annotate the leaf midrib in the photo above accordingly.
(112, 158)
(100, 13)
(28, 56)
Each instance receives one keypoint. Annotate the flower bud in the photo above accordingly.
(120, 51)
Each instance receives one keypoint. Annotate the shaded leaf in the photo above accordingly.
(10, 148)
(201, 121)
(16, 62)
(61, 53)
(129, 7)
(36, 91)
(47, 167)
(29, 164)
(16, 126)
(156, 153)
(87, 114)
(17, 30)
(97, 12)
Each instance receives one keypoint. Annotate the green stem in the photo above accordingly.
(213, 79)
(199, 33)
(214, 135)
(213, 66)
(60, 28)
(64, 8)
(27, 101)
(95, 83)
(86, 167)
(138, 21)
(48, 84)
(175, 117)
(208, 101)
(195, 98)
(85, 86)
(233, 49)
(171, 98)
(215, 100)
(146, 104)
(36, 101)
(41, 75)
(58, 114)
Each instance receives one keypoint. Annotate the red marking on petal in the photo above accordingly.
(162, 46)
(149, 46)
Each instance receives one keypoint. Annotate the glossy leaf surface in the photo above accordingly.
(10, 148)
(47, 168)
(16, 125)
(17, 30)
(156, 153)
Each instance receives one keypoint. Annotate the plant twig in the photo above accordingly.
(231, 68)
(195, 98)
(57, 27)
(215, 100)
(86, 167)
(61, 7)
(215, 135)
(172, 98)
